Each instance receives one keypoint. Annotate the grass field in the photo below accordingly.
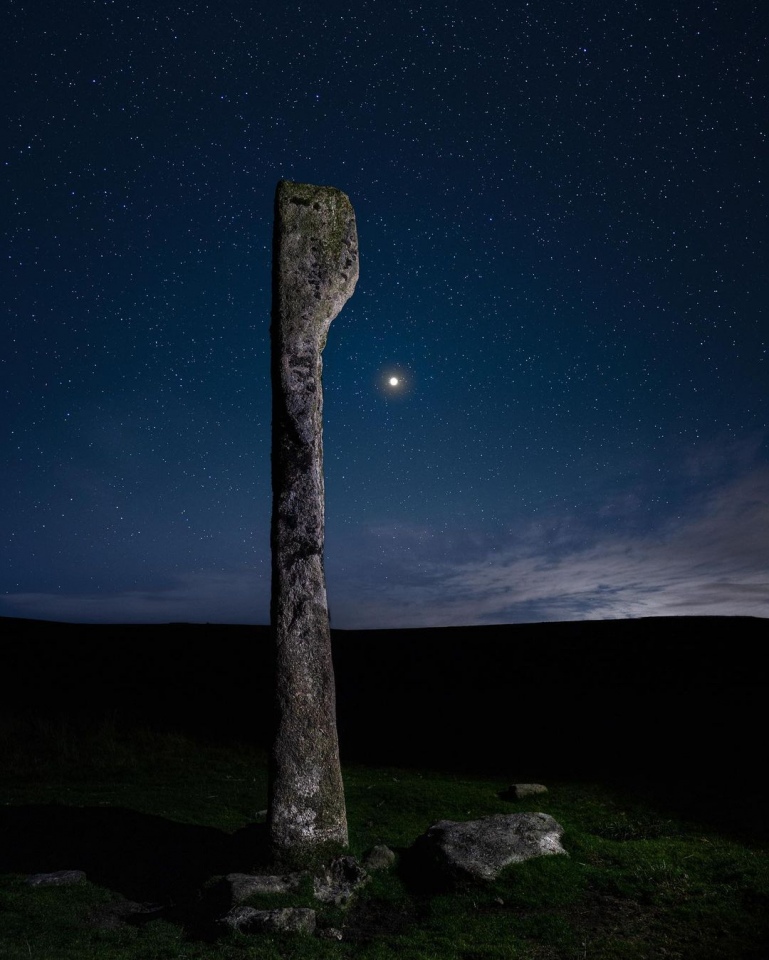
(154, 817)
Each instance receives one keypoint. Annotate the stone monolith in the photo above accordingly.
(315, 269)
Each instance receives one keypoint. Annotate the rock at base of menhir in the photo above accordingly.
(286, 920)
(59, 878)
(517, 791)
(339, 881)
(481, 849)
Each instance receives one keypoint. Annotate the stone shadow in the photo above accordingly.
(143, 857)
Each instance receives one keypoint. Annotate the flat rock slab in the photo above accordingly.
(287, 920)
(481, 849)
(245, 885)
(121, 914)
(59, 878)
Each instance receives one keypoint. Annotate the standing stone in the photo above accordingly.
(315, 269)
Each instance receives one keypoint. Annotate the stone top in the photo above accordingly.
(315, 265)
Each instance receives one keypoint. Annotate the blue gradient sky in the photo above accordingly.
(562, 213)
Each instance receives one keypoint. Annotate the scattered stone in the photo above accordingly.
(315, 269)
(517, 791)
(330, 933)
(379, 857)
(123, 913)
(339, 881)
(59, 878)
(481, 849)
(245, 885)
(286, 920)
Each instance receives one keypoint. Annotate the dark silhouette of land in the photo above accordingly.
(674, 704)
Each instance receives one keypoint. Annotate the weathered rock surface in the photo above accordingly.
(315, 269)
(245, 885)
(286, 920)
(481, 849)
(339, 881)
(59, 878)
(379, 857)
(516, 791)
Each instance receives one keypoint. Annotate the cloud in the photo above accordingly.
(200, 597)
(711, 561)
(710, 558)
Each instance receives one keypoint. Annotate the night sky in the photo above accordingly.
(562, 215)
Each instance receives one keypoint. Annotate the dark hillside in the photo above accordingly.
(656, 696)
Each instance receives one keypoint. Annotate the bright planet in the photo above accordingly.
(393, 381)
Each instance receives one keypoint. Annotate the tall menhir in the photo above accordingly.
(315, 269)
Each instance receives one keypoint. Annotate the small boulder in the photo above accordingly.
(59, 878)
(481, 849)
(516, 791)
(286, 920)
(379, 857)
(339, 881)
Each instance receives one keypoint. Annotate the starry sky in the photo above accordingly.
(562, 216)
